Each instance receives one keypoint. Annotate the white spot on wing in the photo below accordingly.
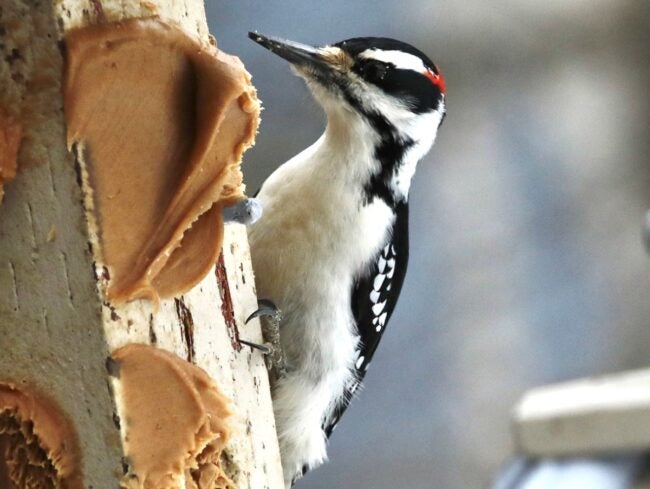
(381, 322)
(381, 264)
(360, 361)
(391, 268)
(378, 308)
(374, 296)
(379, 280)
(382, 318)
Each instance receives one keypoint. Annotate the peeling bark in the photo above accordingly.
(226, 303)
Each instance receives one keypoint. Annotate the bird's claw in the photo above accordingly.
(272, 316)
(265, 348)
(246, 211)
(267, 309)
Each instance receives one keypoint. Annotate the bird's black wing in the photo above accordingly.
(374, 297)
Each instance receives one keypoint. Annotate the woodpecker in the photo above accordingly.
(331, 247)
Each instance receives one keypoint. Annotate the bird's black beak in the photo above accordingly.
(299, 55)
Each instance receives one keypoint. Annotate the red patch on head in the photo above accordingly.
(437, 80)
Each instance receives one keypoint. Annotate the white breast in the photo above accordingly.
(314, 237)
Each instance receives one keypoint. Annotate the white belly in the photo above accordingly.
(306, 256)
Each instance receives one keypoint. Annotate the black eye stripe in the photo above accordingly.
(374, 69)
(369, 67)
(364, 65)
(412, 87)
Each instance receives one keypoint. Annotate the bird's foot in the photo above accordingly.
(246, 211)
(271, 318)
(265, 348)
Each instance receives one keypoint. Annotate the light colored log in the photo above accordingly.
(56, 331)
(603, 415)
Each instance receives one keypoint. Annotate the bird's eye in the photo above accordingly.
(374, 71)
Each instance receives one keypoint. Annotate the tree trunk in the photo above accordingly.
(57, 331)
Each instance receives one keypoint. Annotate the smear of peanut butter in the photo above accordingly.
(10, 138)
(174, 421)
(162, 122)
(38, 447)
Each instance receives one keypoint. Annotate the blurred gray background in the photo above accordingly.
(527, 265)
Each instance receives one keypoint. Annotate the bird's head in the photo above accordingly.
(392, 84)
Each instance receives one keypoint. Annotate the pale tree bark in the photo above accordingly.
(56, 330)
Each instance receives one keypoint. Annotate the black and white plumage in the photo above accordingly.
(331, 247)
(374, 297)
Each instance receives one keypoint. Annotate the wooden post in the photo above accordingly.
(56, 329)
(594, 416)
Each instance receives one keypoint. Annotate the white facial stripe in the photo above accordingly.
(401, 60)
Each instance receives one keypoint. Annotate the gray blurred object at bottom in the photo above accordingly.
(623, 472)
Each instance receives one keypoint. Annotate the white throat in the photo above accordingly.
(423, 131)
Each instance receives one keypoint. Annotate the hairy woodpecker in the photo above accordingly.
(331, 247)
